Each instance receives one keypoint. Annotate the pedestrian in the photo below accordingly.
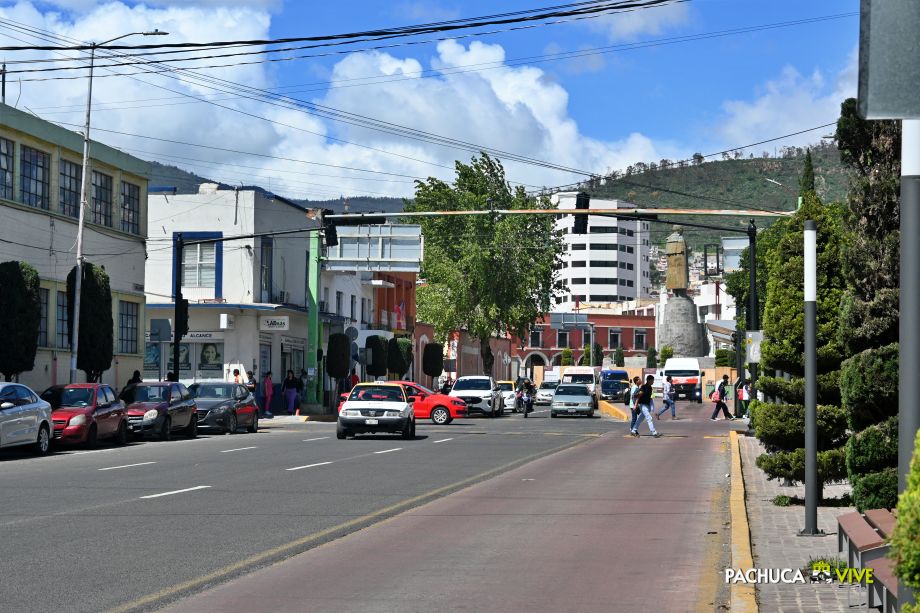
(719, 396)
(745, 397)
(668, 392)
(135, 378)
(268, 390)
(354, 379)
(170, 376)
(445, 387)
(236, 376)
(251, 382)
(289, 388)
(631, 403)
(644, 402)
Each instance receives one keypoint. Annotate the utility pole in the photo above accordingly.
(811, 382)
(177, 296)
(753, 305)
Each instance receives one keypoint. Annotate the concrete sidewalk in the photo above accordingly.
(612, 524)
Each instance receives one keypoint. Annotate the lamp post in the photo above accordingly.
(78, 285)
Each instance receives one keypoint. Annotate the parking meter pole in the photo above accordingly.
(811, 382)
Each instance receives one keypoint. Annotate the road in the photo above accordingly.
(138, 527)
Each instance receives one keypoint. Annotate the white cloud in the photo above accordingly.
(421, 10)
(786, 104)
(629, 25)
(83, 5)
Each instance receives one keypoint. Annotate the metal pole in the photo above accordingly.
(738, 337)
(177, 296)
(3, 93)
(909, 336)
(811, 382)
(84, 186)
(753, 306)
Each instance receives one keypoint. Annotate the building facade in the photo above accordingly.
(40, 182)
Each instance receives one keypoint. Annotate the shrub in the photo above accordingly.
(791, 465)
(781, 427)
(619, 357)
(337, 358)
(566, 358)
(869, 386)
(20, 312)
(725, 357)
(399, 356)
(433, 359)
(376, 350)
(878, 490)
(651, 360)
(793, 391)
(905, 542)
(667, 352)
(782, 500)
(873, 449)
(97, 343)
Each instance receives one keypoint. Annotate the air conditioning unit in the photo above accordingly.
(282, 297)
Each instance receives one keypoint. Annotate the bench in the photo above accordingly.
(864, 539)
(883, 591)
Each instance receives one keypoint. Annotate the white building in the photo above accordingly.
(249, 298)
(609, 264)
(40, 175)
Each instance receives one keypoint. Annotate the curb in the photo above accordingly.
(743, 596)
(611, 410)
(325, 418)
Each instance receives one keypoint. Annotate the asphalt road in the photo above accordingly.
(140, 526)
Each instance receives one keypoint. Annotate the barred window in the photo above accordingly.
(70, 188)
(6, 168)
(63, 338)
(34, 174)
(127, 326)
(102, 199)
(130, 207)
(43, 322)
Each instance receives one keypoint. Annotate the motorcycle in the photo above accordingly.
(526, 403)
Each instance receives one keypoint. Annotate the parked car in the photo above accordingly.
(160, 409)
(545, 392)
(480, 393)
(439, 408)
(86, 412)
(509, 395)
(612, 389)
(572, 399)
(377, 407)
(225, 407)
(25, 419)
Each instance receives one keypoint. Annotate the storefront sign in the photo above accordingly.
(205, 336)
(265, 339)
(271, 324)
(289, 342)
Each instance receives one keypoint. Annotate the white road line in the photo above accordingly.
(94, 451)
(127, 466)
(444, 440)
(388, 450)
(188, 489)
(308, 466)
(240, 449)
(308, 440)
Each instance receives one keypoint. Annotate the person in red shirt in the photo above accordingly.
(354, 378)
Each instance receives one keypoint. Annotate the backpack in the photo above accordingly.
(714, 396)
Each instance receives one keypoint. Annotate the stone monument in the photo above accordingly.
(680, 326)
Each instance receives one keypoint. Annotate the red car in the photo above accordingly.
(85, 413)
(440, 408)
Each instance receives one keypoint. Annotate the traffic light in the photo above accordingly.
(181, 318)
(582, 203)
(332, 237)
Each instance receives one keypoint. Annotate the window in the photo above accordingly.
(578, 264)
(339, 298)
(577, 298)
(34, 175)
(603, 298)
(266, 260)
(130, 207)
(578, 246)
(622, 265)
(562, 339)
(69, 178)
(101, 204)
(622, 282)
(198, 265)
(603, 247)
(630, 233)
(603, 229)
(640, 339)
(354, 304)
(629, 266)
(603, 281)
(63, 336)
(579, 281)
(6, 168)
(613, 339)
(43, 322)
(629, 283)
(364, 310)
(536, 337)
(127, 326)
(629, 250)
(603, 264)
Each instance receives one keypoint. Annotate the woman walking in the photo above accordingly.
(268, 390)
(291, 387)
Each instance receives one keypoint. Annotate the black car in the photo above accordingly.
(225, 407)
(613, 389)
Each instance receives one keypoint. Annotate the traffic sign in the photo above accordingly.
(754, 339)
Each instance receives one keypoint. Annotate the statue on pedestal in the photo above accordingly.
(678, 275)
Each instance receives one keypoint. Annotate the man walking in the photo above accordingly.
(644, 402)
(634, 409)
(719, 397)
(668, 393)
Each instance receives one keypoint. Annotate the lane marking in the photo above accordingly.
(444, 440)
(93, 451)
(308, 466)
(239, 449)
(188, 489)
(127, 466)
(310, 440)
(387, 450)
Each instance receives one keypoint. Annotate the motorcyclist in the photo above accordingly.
(529, 391)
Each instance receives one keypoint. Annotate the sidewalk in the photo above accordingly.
(776, 544)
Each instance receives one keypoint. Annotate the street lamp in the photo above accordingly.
(78, 286)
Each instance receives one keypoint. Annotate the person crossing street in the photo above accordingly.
(644, 402)
(719, 396)
(668, 393)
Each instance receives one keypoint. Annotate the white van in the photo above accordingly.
(586, 375)
(686, 377)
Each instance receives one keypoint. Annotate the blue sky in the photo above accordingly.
(599, 112)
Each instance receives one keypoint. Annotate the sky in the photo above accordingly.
(652, 84)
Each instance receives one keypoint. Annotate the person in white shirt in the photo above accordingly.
(669, 393)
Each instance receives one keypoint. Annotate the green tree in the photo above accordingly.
(651, 360)
(486, 274)
(566, 359)
(619, 357)
(20, 312)
(737, 284)
(667, 352)
(96, 347)
(597, 355)
(807, 181)
(905, 542)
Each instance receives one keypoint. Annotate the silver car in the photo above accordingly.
(545, 392)
(25, 419)
(572, 399)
